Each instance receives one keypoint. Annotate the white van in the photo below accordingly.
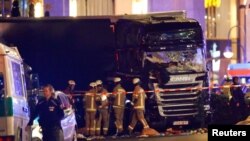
(14, 114)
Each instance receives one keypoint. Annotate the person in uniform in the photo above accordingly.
(102, 106)
(50, 114)
(119, 97)
(138, 101)
(90, 105)
(237, 102)
(226, 88)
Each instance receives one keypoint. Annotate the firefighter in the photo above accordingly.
(90, 105)
(102, 107)
(138, 102)
(226, 87)
(119, 97)
(50, 112)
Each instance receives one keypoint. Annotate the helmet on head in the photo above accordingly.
(92, 84)
(117, 79)
(71, 82)
(227, 78)
(136, 80)
(98, 82)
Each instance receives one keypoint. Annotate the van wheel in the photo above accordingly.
(36, 139)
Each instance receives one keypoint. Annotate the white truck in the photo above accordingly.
(14, 114)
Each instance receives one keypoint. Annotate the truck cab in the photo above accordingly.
(168, 54)
(14, 114)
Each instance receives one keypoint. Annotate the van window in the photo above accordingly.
(17, 77)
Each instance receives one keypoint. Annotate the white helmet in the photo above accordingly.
(92, 84)
(117, 79)
(136, 80)
(98, 82)
(72, 82)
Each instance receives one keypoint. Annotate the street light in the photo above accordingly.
(228, 49)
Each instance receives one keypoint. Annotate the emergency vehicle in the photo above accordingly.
(14, 114)
(241, 70)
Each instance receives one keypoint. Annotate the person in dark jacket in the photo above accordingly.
(237, 102)
(15, 12)
(50, 114)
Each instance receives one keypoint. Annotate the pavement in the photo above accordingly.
(196, 137)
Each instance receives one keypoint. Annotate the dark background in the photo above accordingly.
(63, 49)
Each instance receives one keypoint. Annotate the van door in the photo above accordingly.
(3, 112)
(20, 103)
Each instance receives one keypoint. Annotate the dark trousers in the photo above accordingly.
(52, 134)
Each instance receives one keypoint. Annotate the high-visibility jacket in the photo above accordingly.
(139, 97)
(90, 100)
(119, 95)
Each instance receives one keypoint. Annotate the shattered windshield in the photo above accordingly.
(178, 61)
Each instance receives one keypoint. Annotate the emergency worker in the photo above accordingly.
(102, 107)
(90, 105)
(119, 97)
(50, 114)
(138, 101)
(237, 102)
(226, 87)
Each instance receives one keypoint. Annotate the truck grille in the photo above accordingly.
(179, 103)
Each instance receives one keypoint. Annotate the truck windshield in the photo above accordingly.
(178, 61)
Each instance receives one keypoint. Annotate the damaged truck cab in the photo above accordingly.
(168, 54)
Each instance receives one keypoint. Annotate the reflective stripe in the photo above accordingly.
(139, 107)
(6, 107)
(92, 103)
(105, 128)
(142, 100)
(119, 98)
(97, 129)
(90, 109)
(120, 107)
(92, 129)
(131, 127)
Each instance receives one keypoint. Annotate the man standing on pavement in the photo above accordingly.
(90, 105)
(119, 97)
(50, 114)
(103, 117)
